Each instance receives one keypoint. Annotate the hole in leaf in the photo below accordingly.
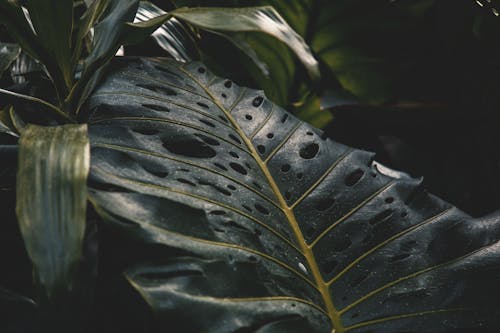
(389, 200)
(238, 168)
(261, 149)
(156, 107)
(233, 154)
(262, 209)
(228, 84)
(257, 101)
(284, 118)
(354, 177)
(201, 70)
(309, 151)
(235, 138)
(206, 122)
(189, 147)
(231, 187)
(185, 181)
(223, 95)
(247, 208)
(310, 133)
(157, 173)
(218, 212)
(203, 105)
(270, 135)
(248, 117)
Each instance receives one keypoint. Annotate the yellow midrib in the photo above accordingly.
(290, 215)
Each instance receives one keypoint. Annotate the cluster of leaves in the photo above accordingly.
(218, 210)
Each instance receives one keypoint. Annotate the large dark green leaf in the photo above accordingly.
(51, 203)
(250, 220)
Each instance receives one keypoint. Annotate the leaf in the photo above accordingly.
(51, 203)
(251, 19)
(8, 54)
(240, 217)
(172, 36)
(8, 123)
(53, 22)
(12, 17)
(115, 30)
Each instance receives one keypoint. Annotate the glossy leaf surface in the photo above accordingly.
(251, 19)
(256, 222)
(172, 36)
(51, 202)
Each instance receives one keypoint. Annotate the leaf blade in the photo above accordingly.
(51, 202)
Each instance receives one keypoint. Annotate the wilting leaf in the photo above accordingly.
(172, 36)
(51, 202)
(254, 221)
(251, 19)
(8, 54)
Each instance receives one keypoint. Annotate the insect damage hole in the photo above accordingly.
(189, 147)
(309, 151)
(238, 168)
(257, 101)
(354, 177)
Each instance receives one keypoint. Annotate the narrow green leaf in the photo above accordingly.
(257, 19)
(51, 202)
(53, 23)
(8, 53)
(113, 31)
(12, 17)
